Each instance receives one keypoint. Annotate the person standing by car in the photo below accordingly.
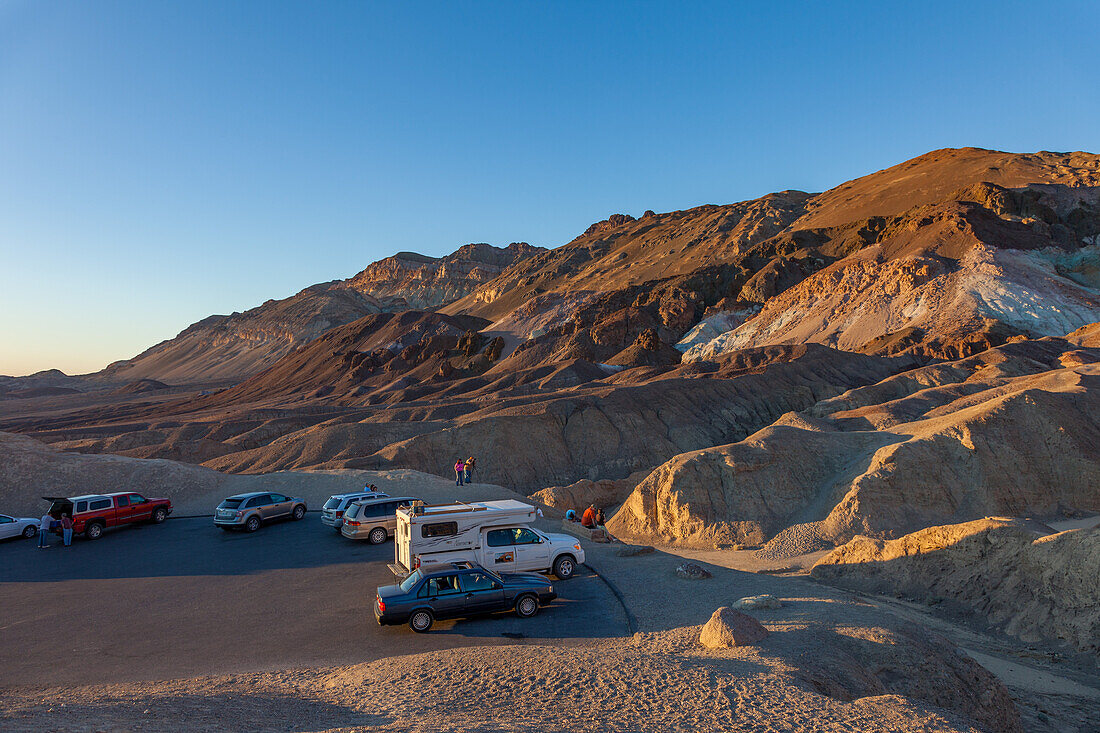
(67, 529)
(44, 530)
(460, 470)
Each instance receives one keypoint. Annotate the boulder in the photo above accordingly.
(728, 628)
(757, 602)
(692, 571)
(599, 534)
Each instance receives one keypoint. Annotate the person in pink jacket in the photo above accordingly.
(460, 468)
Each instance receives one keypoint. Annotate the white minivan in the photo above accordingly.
(332, 514)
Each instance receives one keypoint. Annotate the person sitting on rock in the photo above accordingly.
(588, 519)
(600, 520)
(571, 515)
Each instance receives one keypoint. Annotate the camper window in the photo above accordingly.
(100, 504)
(439, 529)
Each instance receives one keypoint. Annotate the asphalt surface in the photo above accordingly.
(184, 599)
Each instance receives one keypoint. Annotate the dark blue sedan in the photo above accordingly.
(458, 591)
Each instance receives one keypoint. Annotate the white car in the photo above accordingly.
(17, 527)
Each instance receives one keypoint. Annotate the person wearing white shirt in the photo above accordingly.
(44, 531)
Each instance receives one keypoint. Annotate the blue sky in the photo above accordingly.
(163, 161)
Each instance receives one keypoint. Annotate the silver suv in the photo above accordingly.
(373, 520)
(249, 511)
(332, 514)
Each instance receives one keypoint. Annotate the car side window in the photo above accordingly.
(444, 585)
(137, 499)
(257, 501)
(81, 506)
(279, 498)
(472, 582)
(100, 504)
(498, 537)
(524, 536)
(121, 501)
(6, 520)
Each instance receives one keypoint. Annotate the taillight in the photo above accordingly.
(381, 604)
(339, 514)
(416, 562)
(352, 523)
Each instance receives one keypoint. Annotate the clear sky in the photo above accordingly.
(163, 161)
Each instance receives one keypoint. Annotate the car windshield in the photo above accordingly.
(231, 503)
(332, 503)
(410, 582)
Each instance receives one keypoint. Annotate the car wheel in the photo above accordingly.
(299, 512)
(30, 531)
(252, 524)
(527, 606)
(420, 621)
(94, 531)
(564, 567)
(377, 536)
(160, 515)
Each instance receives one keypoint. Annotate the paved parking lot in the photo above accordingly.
(184, 599)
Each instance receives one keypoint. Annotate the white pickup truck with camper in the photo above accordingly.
(494, 534)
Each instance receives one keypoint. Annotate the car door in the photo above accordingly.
(444, 596)
(140, 508)
(279, 506)
(482, 593)
(8, 526)
(260, 504)
(500, 552)
(532, 553)
(122, 510)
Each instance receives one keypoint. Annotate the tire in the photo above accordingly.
(252, 524)
(421, 621)
(527, 606)
(565, 566)
(30, 531)
(377, 536)
(159, 515)
(93, 531)
(298, 513)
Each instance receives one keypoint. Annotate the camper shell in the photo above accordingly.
(494, 534)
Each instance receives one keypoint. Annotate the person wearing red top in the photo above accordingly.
(588, 519)
(460, 468)
(67, 529)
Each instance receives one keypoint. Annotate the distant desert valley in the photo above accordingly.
(874, 410)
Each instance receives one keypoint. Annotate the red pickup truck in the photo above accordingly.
(94, 513)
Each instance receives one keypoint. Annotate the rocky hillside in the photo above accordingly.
(229, 348)
(1036, 584)
(1008, 431)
